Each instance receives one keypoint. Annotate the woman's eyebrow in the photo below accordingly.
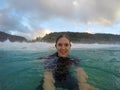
(66, 44)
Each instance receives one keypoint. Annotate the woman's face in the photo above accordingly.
(63, 46)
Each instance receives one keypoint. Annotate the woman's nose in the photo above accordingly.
(63, 47)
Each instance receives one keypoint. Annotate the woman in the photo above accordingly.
(58, 69)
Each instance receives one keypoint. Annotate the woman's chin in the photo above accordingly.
(63, 55)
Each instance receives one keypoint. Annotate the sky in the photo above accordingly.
(35, 18)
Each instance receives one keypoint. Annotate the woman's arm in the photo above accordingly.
(82, 79)
(48, 81)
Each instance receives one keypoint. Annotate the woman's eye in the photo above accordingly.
(66, 45)
(59, 44)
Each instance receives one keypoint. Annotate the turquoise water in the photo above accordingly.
(20, 69)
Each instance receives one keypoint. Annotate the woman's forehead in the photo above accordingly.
(63, 40)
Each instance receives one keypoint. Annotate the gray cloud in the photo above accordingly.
(9, 22)
(81, 10)
(104, 12)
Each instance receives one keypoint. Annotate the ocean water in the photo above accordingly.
(21, 70)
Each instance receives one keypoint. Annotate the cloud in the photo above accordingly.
(39, 33)
(32, 34)
(26, 16)
(78, 10)
(9, 22)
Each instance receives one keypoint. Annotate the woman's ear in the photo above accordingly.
(70, 45)
(55, 45)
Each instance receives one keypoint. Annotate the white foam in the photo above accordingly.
(42, 46)
(91, 46)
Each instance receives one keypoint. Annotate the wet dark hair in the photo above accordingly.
(61, 36)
